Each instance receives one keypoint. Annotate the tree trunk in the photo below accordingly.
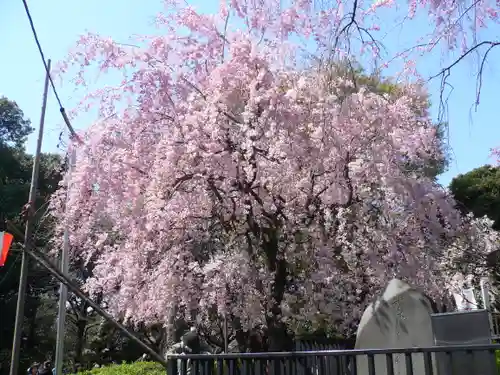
(277, 337)
(81, 331)
(31, 317)
(173, 333)
(81, 324)
(240, 336)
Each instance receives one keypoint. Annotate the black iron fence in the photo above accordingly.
(307, 346)
(451, 360)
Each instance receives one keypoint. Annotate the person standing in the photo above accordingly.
(33, 370)
(191, 343)
(46, 369)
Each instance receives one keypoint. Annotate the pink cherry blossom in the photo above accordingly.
(236, 179)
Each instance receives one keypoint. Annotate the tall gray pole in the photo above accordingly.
(63, 289)
(23, 279)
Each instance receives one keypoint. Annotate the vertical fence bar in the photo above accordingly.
(492, 367)
(286, 365)
(340, 364)
(450, 362)
(208, 366)
(353, 365)
(259, 369)
(389, 362)
(371, 364)
(332, 365)
(494, 317)
(220, 366)
(183, 366)
(271, 367)
(246, 366)
(322, 366)
(290, 369)
(172, 367)
(283, 366)
(428, 363)
(195, 367)
(315, 367)
(471, 361)
(304, 365)
(409, 363)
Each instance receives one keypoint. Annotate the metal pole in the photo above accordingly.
(23, 279)
(63, 290)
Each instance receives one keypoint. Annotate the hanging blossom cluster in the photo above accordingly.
(467, 258)
(237, 182)
(456, 25)
(495, 153)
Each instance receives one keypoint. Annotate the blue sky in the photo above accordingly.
(59, 23)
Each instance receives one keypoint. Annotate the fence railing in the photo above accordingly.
(307, 346)
(451, 360)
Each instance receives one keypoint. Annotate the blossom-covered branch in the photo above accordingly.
(249, 186)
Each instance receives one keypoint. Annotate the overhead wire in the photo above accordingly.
(54, 90)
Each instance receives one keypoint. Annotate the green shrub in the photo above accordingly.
(137, 368)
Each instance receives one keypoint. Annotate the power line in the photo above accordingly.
(47, 70)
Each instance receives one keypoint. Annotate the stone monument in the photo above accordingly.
(400, 318)
(464, 328)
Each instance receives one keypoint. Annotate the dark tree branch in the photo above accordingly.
(445, 73)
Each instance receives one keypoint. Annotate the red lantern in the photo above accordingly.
(5, 241)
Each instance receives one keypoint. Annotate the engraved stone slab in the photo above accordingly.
(400, 318)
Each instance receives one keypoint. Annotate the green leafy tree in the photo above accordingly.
(14, 127)
(15, 177)
(357, 78)
(478, 192)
